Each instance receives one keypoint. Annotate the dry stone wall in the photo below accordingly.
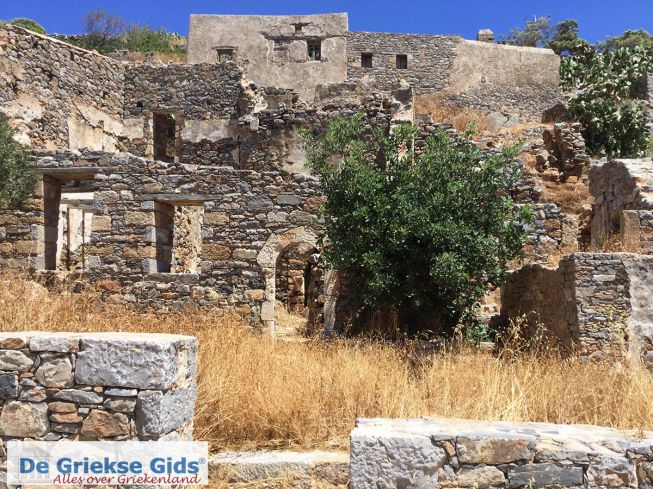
(60, 96)
(494, 454)
(99, 386)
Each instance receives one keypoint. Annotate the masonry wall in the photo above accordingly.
(100, 386)
(448, 71)
(59, 96)
(274, 49)
(483, 454)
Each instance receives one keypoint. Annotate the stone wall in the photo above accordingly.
(448, 71)
(564, 149)
(97, 386)
(618, 185)
(430, 59)
(59, 96)
(494, 454)
(596, 304)
(274, 50)
(551, 234)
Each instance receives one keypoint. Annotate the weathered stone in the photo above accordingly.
(483, 450)
(120, 405)
(66, 418)
(8, 385)
(15, 360)
(24, 419)
(33, 394)
(60, 343)
(117, 392)
(57, 372)
(13, 341)
(540, 475)
(289, 199)
(101, 424)
(78, 396)
(139, 361)
(480, 477)
(62, 407)
(158, 413)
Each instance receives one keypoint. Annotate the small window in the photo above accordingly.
(366, 60)
(315, 50)
(402, 62)
(298, 28)
(225, 54)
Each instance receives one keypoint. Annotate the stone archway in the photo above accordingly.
(267, 259)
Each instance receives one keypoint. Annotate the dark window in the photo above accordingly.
(225, 54)
(402, 62)
(298, 28)
(165, 137)
(366, 60)
(315, 50)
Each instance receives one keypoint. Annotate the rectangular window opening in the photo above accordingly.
(367, 60)
(226, 54)
(178, 237)
(52, 229)
(402, 62)
(165, 136)
(315, 50)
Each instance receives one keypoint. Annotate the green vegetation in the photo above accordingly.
(29, 24)
(423, 236)
(629, 39)
(562, 37)
(107, 33)
(17, 178)
(605, 88)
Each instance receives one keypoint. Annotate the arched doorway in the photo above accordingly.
(289, 262)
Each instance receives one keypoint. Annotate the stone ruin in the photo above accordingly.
(184, 185)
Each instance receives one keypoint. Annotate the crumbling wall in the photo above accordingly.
(564, 149)
(60, 96)
(274, 50)
(551, 234)
(619, 185)
(498, 454)
(99, 386)
(596, 304)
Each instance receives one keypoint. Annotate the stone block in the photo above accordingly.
(101, 424)
(137, 218)
(480, 477)
(62, 407)
(242, 254)
(13, 341)
(141, 361)
(159, 413)
(495, 450)
(546, 474)
(56, 372)
(54, 342)
(215, 251)
(15, 361)
(8, 385)
(101, 223)
(79, 396)
(216, 219)
(24, 419)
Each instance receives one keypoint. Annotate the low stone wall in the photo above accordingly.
(96, 386)
(552, 233)
(481, 455)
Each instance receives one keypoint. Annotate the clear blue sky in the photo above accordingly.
(598, 18)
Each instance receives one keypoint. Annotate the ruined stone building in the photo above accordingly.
(174, 185)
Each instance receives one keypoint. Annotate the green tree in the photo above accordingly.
(629, 39)
(102, 32)
(605, 86)
(565, 39)
(142, 38)
(427, 235)
(29, 24)
(17, 177)
(536, 33)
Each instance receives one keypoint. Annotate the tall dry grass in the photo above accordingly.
(258, 392)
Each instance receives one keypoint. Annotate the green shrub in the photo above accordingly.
(29, 24)
(605, 88)
(426, 235)
(17, 177)
(148, 40)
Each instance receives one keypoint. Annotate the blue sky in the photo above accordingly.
(598, 18)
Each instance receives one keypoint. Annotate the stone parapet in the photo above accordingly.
(483, 454)
(97, 386)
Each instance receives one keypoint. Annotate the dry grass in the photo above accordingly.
(440, 112)
(258, 392)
